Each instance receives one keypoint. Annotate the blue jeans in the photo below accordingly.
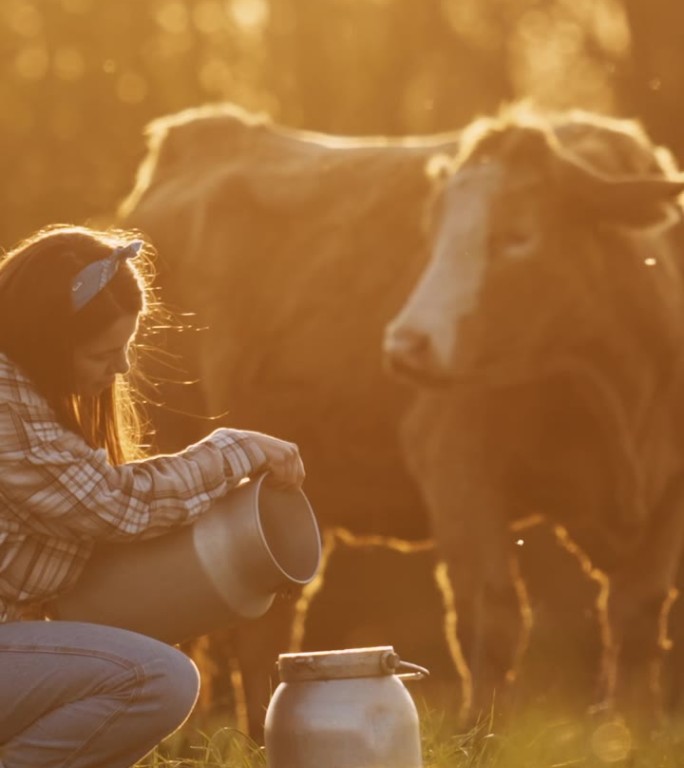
(76, 695)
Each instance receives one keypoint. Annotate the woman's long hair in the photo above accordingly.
(39, 330)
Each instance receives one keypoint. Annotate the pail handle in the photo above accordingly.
(392, 664)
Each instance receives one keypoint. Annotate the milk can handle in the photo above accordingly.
(393, 664)
(415, 673)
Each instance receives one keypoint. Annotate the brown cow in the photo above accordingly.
(546, 340)
(293, 250)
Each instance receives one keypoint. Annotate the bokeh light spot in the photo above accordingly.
(611, 27)
(25, 20)
(214, 75)
(131, 88)
(611, 742)
(250, 14)
(469, 19)
(68, 64)
(32, 62)
(209, 17)
(172, 17)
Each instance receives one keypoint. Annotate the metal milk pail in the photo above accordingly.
(226, 566)
(343, 709)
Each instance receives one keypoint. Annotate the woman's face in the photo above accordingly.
(98, 360)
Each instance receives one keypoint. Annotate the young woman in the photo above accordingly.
(73, 694)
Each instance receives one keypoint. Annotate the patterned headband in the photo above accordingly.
(93, 278)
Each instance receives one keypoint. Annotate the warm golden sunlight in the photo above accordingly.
(88, 75)
(405, 278)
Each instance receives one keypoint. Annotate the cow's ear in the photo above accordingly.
(639, 201)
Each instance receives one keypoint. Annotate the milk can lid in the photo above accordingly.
(329, 665)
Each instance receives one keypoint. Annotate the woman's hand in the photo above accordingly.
(283, 462)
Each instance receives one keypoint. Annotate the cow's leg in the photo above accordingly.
(637, 605)
(673, 669)
(258, 643)
(257, 646)
(447, 451)
(487, 620)
(487, 617)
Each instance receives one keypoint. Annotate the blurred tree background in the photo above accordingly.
(81, 78)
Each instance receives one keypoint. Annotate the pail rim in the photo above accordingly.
(301, 498)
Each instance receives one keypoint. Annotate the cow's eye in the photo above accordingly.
(513, 243)
(520, 243)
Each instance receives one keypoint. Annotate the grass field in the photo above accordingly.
(534, 739)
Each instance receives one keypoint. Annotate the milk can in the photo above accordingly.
(343, 709)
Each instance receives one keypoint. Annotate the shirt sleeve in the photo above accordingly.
(61, 486)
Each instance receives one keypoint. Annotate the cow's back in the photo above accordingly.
(294, 250)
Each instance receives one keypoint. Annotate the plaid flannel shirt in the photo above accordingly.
(58, 496)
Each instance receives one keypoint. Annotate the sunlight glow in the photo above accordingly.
(214, 74)
(32, 62)
(131, 88)
(172, 17)
(611, 742)
(250, 14)
(611, 27)
(469, 19)
(209, 17)
(68, 63)
(26, 20)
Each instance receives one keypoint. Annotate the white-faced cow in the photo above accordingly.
(544, 338)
